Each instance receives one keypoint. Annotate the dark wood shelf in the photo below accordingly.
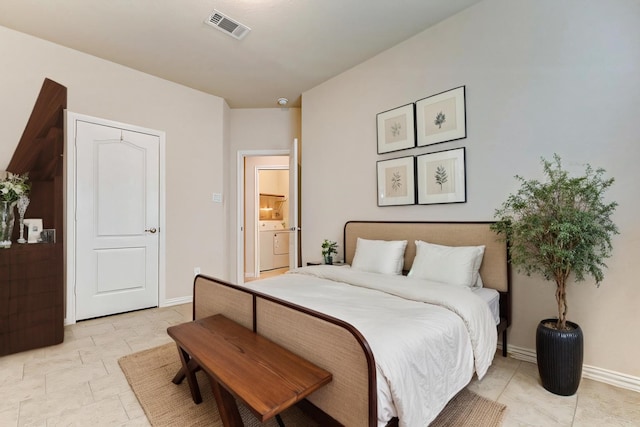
(31, 275)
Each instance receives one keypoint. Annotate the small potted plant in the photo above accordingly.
(329, 248)
(559, 229)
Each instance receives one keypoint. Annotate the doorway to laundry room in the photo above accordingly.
(273, 220)
(268, 207)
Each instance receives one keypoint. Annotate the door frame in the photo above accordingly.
(242, 154)
(69, 178)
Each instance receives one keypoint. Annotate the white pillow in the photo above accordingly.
(455, 265)
(477, 280)
(379, 256)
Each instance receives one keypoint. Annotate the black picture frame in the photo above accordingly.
(396, 181)
(441, 177)
(441, 117)
(396, 129)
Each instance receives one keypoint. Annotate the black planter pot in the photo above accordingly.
(559, 355)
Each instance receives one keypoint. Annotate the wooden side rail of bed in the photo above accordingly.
(334, 345)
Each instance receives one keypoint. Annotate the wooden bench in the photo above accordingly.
(239, 363)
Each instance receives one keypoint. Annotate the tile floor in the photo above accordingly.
(79, 382)
(267, 274)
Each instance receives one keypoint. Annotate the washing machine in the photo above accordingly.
(274, 245)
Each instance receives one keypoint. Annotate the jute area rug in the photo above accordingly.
(149, 373)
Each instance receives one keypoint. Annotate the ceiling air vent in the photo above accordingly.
(227, 25)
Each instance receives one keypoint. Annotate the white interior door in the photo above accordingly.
(117, 220)
(294, 220)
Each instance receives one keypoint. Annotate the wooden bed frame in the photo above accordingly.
(350, 399)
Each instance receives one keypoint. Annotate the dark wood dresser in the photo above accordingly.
(31, 297)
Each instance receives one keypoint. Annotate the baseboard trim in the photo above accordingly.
(177, 301)
(522, 353)
(165, 303)
(591, 372)
(611, 377)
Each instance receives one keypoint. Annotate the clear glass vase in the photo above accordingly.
(7, 218)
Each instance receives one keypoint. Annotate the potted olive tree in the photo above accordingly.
(560, 229)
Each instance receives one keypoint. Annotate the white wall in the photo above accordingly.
(541, 77)
(193, 122)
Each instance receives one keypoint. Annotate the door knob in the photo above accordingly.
(151, 230)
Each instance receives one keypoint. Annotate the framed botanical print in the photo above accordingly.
(441, 117)
(396, 129)
(441, 177)
(396, 182)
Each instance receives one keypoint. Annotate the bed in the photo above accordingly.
(299, 312)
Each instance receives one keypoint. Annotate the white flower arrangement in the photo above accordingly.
(14, 186)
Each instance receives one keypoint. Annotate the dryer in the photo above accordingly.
(274, 245)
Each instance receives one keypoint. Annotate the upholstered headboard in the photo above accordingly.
(494, 270)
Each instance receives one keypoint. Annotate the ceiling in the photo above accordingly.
(293, 45)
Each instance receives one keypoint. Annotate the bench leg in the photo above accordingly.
(189, 367)
(192, 366)
(227, 405)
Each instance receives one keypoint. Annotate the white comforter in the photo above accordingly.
(427, 338)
